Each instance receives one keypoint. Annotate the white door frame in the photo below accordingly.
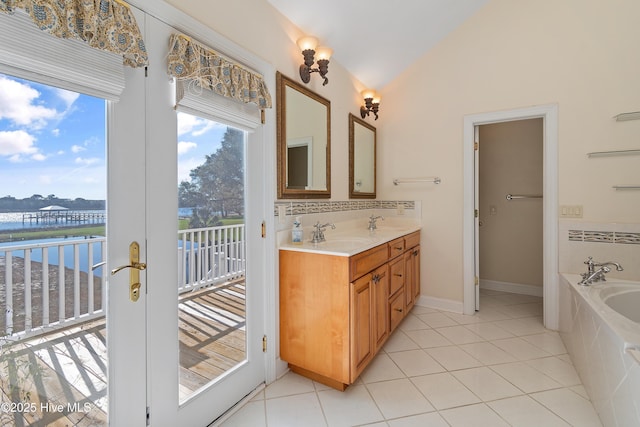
(549, 114)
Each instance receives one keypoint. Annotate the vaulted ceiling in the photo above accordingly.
(376, 40)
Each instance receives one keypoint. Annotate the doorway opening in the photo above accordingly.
(510, 207)
(549, 116)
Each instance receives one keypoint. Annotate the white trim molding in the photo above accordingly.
(440, 304)
(549, 114)
(514, 288)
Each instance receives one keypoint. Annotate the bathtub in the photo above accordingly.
(600, 326)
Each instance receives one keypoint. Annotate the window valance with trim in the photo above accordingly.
(189, 60)
(107, 25)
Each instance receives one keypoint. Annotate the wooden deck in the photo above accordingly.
(62, 375)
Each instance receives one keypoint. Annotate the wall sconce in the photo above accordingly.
(308, 46)
(371, 103)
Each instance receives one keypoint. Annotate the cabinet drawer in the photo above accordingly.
(396, 305)
(364, 262)
(412, 240)
(397, 275)
(396, 247)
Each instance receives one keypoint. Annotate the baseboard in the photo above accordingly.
(514, 288)
(440, 304)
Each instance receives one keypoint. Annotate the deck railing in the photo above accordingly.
(51, 285)
(46, 286)
(207, 256)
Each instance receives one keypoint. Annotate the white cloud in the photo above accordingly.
(77, 148)
(39, 157)
(185, 167)
(55, 132)
(17, 104)
(15, 144)
(186, 146)
(68, 97)
(87, 162)
(195, 125)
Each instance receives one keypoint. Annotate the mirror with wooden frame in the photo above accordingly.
(304, 141)
(362, 159)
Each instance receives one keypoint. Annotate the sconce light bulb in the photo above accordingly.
(368, 93)
(307, 42)
(324, 52)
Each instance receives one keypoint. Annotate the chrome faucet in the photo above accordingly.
(317, 235)
(372, 222)
(593, 275)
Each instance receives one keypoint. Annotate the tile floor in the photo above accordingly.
(500, 367)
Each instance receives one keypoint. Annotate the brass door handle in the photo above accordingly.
(134, 275)
(137, 265)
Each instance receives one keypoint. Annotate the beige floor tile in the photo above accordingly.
(399, 398)
(569, 406)
(444, 390)
(473, 416)
(525, 377)
(523, 411)
(416, 362)
(459, 334)
(453, 358)
(486, 384)
(487, 353)
(354, 406)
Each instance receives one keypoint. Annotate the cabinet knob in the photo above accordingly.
(399, 310)
(397, 274)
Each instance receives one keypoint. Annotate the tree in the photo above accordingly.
(217, 186)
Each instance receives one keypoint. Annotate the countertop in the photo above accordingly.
(353, 241)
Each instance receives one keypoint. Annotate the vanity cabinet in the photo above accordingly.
(336, 312)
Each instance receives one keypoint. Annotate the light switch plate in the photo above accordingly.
(571, 211)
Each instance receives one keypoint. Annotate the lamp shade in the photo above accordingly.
(324, 52)
(307, 42)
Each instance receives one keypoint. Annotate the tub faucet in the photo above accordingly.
(593, 275)
(372, 222)
(317, 235)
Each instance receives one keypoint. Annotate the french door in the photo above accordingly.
(178, 333)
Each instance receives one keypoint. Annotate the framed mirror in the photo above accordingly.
(362, 159)
(304, 142)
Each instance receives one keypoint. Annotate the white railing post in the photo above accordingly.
(27, 290)
(8, 299)
(45, 286)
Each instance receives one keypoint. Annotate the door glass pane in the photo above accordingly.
(53, 354)
(211, 251)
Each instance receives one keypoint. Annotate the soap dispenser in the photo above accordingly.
(296, 233)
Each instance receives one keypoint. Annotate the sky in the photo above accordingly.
(52, 142)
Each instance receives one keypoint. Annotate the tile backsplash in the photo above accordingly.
(302, 207)
(602, 241)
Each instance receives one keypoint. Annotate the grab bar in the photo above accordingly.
(523, 196)
(435, 180)
(626, 187)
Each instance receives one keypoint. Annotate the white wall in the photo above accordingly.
(576, 54)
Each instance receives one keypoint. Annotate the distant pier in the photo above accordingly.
(58, 217)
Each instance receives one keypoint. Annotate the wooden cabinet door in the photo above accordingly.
(412, 272)
(380, 283)
(361, 324)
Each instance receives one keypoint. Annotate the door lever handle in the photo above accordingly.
(134, 275)
(136, 265)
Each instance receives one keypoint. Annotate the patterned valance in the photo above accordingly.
(107, 25)
(189, 60)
